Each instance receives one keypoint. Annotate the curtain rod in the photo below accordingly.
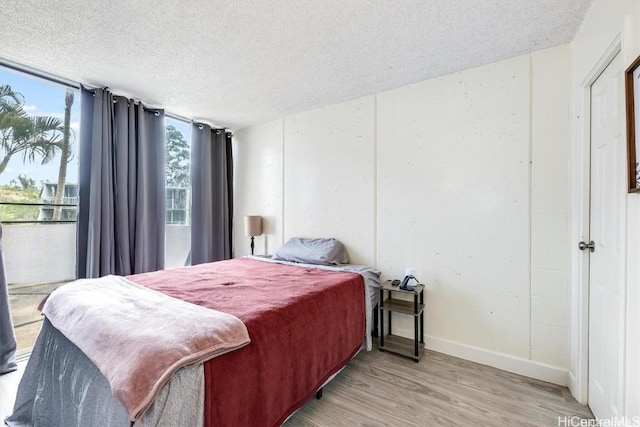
(155, 111)
(201, 126)
(38, 74)
(184, 119)
(177, 117)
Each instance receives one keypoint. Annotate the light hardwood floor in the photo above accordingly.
(379, 388)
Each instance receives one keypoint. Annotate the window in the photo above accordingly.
(178, 193)
(39, 124)
(39, 128)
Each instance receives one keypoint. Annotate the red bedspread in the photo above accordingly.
(304, 324)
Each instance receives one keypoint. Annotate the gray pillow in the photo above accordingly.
(313, 251)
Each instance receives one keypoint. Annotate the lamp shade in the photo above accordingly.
(252, 225)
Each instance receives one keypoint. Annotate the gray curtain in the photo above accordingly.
(121, 200)
(7, 334)
(211, 194)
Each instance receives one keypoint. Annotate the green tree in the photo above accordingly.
(177, 159)
(65, 154)
(35, 137)
(8, 97)
(26, 182)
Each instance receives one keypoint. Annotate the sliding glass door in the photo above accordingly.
(39, 123)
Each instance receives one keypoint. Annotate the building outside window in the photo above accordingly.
(69, 198)
(178, 193)
(178, 206)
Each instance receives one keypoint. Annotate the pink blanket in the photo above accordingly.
(139, 337)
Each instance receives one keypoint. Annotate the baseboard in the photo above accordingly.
(518, 365)
(576, 389)
(572, 384)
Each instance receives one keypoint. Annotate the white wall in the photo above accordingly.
(605, 21)
(46, 253)
(438, 176)
(177, 245)
(258, 185)
(453, 201)
(39, 253)
(329, 174)
(550, 206)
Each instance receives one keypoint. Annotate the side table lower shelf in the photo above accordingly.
(402, 346)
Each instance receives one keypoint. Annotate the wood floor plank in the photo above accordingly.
(382, 389)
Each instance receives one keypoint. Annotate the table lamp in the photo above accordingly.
(252, 227)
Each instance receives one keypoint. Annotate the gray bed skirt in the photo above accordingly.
(62, 387)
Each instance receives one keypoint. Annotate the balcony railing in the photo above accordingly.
(40, 256)
(65, 200)
(35, 216)
(177, 204)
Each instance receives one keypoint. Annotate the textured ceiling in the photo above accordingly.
(237, 63)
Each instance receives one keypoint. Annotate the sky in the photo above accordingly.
(44, 98)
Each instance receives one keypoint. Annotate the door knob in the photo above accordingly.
(591, 246)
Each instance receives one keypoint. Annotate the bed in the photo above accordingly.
(305, 323)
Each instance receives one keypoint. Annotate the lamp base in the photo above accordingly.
(252, 245)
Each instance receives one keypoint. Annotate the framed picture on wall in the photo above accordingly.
(632, 83)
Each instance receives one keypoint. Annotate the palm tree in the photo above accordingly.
(35, 137)
(64, 154)
(9, 97)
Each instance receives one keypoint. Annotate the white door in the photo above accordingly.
(608, 207)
